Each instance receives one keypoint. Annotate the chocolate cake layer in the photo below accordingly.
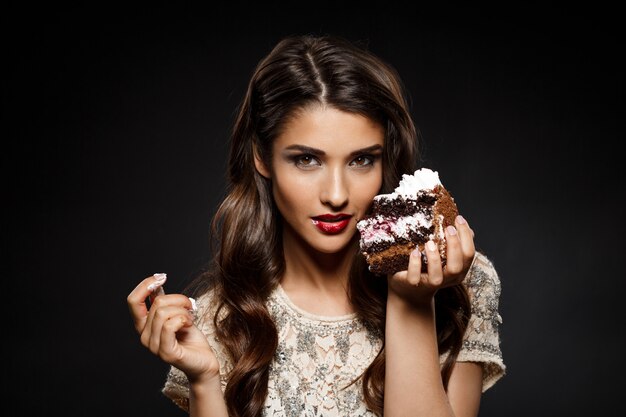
(401, 206)
(419, 236)
(390, 260)
(398, 224)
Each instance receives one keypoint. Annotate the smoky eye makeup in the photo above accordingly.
(306, 157)
(304, 160)
(303, 156)
(365, 160)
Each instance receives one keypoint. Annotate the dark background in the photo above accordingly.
(115, 122)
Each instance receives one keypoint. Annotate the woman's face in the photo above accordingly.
(326, 169)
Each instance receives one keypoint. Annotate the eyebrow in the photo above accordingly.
(319, 152)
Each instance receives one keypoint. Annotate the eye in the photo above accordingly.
(305, 161)
(363, 160)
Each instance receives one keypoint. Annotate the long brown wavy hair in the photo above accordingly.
(248, 264)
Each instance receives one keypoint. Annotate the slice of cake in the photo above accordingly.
(418, 210)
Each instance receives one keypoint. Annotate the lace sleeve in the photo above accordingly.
(176, 386)
(482, 339)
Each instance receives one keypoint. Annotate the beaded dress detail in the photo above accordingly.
(317, 367)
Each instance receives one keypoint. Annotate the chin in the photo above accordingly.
(332, 244)
(317, 242)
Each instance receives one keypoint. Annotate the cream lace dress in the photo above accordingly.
(318, 357)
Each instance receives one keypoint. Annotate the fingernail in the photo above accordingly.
(460, 219)
(430, 245)
(451, 230)
(415, 252)
(160, 277)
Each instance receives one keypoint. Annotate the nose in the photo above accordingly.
(334, 190)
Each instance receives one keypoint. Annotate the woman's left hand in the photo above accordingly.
(417, 287)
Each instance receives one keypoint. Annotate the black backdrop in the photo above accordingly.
(114, 140)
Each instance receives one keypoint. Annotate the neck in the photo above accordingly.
(315, 281)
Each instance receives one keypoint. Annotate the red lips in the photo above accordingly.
(332, 223)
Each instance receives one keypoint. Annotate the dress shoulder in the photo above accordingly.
(176, 386)
(481, 342)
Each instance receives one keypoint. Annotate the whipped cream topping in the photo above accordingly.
(422, 179)
(157, 286)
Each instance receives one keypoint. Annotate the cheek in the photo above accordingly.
(367, 190)
(292, 192)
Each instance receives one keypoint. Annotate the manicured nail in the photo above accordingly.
(415, 252)
(430, 245)
(158, 282)
(460, 219)
(451, 230)
(194, 306)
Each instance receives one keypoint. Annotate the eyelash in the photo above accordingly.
(297, 160)
(372, 159)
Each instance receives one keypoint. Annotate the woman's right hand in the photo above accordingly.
(167, 329)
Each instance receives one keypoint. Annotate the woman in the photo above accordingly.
(290, 322)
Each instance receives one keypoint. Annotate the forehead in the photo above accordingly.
(330, 129)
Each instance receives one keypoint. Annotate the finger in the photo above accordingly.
(161, 317)
(160, 302)
(454, 252)
(166, 300)
(435, 272)
(466, 237)
(136, 300)
(156, 287)
(169, 341)
(414, 270)
(156, 291)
